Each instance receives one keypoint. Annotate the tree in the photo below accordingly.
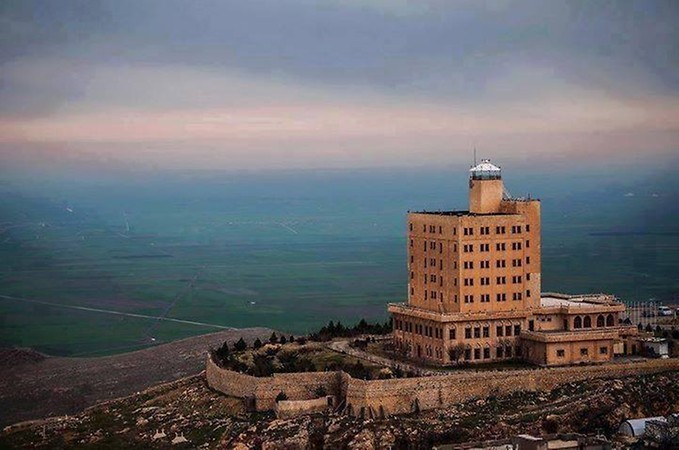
(649, 328)
(301, 340)
(456, 352)
(281, 396)
(273, 339)
(291, 339)
(283, 340)
(240, 345)
(640, 327)
(257, 344)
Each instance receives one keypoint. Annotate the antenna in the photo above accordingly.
(474, 155)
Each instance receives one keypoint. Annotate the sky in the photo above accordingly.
(290, 84)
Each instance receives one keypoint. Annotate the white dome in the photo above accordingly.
(485, 166)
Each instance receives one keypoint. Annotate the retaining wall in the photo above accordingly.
(376, 398)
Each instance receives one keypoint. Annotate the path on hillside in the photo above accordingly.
(342, 346)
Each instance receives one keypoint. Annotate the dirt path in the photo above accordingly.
(33, 386)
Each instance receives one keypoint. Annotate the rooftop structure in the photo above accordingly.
(474, 288)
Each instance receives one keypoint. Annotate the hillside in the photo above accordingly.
(33, 385)
(187, 414)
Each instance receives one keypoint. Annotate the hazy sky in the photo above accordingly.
(335, 83)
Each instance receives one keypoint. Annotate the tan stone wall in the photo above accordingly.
(485, 196)
(293, 408)
(377, 397)
(262, 391)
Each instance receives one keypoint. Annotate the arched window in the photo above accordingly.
(610, 321)
(600, 321)
(577, 323)
(588, 322)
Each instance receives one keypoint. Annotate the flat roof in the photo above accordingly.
(580, 301)
(461, 213)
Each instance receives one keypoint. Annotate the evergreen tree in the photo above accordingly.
(273, 339)
(257, 344)
(283, 340)
(240, 345)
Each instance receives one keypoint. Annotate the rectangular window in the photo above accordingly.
(486, 353)
(467, 354)
(500, 353)
(560, 353)
(467, 333)
(603, 350)
(527, 259)
(517, 330)
(498, 330)
(527, 228)
(477, 353)
(528, 293)
(508, 330)
(508, 352)
(451, 334)
(486, 332)
(477, 332)
(584, 352)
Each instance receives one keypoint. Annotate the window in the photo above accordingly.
(500, 263)
(485, 264)
(469, 282)
(440, 229)
(577, 322)
(517, 330)
(412, 291)
(425, 246)
(527, 277)
(499, 352)
(412, 275)
(441, 264)
(527, 259)
(424, 228)
(516, 296)
(500, 297)
(527, 228)
(468, 264)
(528, 293)
(603, 350)
(440, 247)
(587, 323)
(527, 244)
(584, 352)
(468, 248)
(501, 280)
(477, 332)
(498, 330)
(432, 245)
(500, 246)
(485, 247)
(508, 330)
(467, 354)
(486, 332)
(467, 333)
(600, 321)
(477, 353)
(560, 353)
(469, 299)
(485, 281)
(610, 321)
(508, 352)
(485, 298)
(451, 334)
(499, 230)
(412, 259)
(411, 242)
(411, 226)
(486, 353)
(468, 231)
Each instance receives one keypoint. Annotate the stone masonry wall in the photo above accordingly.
(376, 398)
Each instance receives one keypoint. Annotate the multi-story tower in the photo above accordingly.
(474, 276)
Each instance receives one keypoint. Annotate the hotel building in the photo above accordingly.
(474, 289)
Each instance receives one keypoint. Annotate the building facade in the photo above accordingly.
(474, 288)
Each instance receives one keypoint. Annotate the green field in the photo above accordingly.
(279, 252)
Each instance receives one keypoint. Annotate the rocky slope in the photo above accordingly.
(187, 414)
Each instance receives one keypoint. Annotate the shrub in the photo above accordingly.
(281, 396)
(320, 391)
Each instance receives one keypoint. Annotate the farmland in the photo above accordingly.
(93, 266)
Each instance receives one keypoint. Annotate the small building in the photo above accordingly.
(655, 347)
(637, 427)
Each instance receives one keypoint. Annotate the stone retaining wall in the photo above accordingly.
(377, 398)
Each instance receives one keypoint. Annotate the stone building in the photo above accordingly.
(474, 291)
